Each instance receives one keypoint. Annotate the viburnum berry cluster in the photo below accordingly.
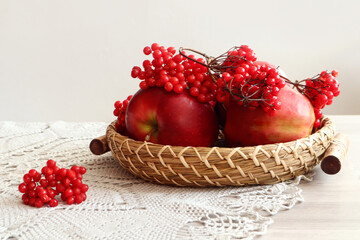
(41, 188)
(235, 57)
(235, 74)
(175, 73)
(320, 90)
(119, 112)
(250, 84)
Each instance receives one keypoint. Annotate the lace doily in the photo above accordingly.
(119, 205)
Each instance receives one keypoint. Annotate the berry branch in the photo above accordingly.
(320, 90)
(235, 73)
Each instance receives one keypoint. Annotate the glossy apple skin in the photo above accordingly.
(294, 120)
(171, 119)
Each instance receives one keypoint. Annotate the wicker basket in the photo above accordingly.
(220, 166)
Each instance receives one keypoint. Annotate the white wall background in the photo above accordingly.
(71, 60)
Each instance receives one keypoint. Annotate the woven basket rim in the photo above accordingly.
(220, 166)
(326, 124)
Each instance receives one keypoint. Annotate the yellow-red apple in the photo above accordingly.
(246, 127)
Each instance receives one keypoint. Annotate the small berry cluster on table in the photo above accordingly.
(41, 188)
(235, 74)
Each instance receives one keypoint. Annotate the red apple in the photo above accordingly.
(294, 120)
(171, 119)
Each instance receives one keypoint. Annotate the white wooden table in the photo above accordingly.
(331, 209)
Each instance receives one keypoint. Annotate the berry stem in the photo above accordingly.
(300, 86)
(208, 59)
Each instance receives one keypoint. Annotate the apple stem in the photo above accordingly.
(147, 138)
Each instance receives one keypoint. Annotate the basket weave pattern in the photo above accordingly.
(219, 166)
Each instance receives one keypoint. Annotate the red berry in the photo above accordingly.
(157, 54)
(199, 77)
(141, 75)
(201, 97)
(318, 113)
(50, 177)
(240, 70)
(84, 188)
(70, 200)
(178, 58)
(174, 80)
(25, 197)
(27, 178)
(22, 188)
(76, 191)
(168, 86)
(62, 172)
(75, 168)
(171, 50)
(44, 198)
(78, 199)
(32, 172)
(252, 70)
(334, 73)
(41, 192)
(277, 105)
(76, 183)
(155, 46)
(83, 196)
(32, 193)
(178, 88)
(58, 177)
(135, 72)
(51, 193)
(317, 123)
(79, 176)
(68, 192)
(191, 78)
(270, 80)
(147, 50)
(66, 182)
(151, 82)
(39, 203)
(44, 183)
(180, 68)
(31, 185)
(37, 177)
(51, 163)
(117, 104)
(60, 187)
(53, 203)
(32, 201)
(71, 174)
(143, 85)
(63, 197)
(52, 183)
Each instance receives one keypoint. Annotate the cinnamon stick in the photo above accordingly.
(99, 145)
(335, 154)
